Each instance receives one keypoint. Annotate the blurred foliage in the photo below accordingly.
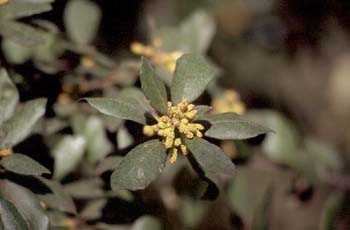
(277, 63)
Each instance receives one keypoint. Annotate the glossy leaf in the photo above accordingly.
(153, 88)
(191, 77)
(82, 19)
(211, 159)
(59, 199)
(21, 124)
(119, 108)
(140, 166)
(21, 33)
(67, 153)
(16, 9)
(10, 218)
(26, 203)
(22, 164)
(8, 96)
(230, 126)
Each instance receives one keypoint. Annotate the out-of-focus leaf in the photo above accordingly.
(67, 153)
(211, 159)
(153, 88)
(26, 203)
(147, 223)
(20, 125)
(191, 77)
(109, 163)
(85, 189)
(193, 35)
(82, 19)
(230, 126)
(8, 96)
(192, 212)
(92, 129)
(59, 200)
(124, 138)
(14, 52)
(22, 164)
(247, 193)
(117, 107)
(93, 209)
(21, 33)
(10, 218)
(15, 9)
(331, 211)
(140, 166)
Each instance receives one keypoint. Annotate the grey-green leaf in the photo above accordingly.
(8, 96)
(201, 111)
(118, 107)
(230, 126)
(61, 200)
(10, 218)
(22, 164)
(82, 19)
(140, 166)
(16, 9)
(21, 33)
(211, 159)
(67, 153)
(21, 124)
(191, 77)
(147, 223)
(27, 204)
(153, 88)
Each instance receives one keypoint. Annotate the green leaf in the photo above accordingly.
(67, 153)
(93, 209)
(191, 77)
(21, 33)
(59, 200)
(202, 110)
(26, 203)
(85, 189)
(118, 107)
(14, 52)
(8, 96)
(147, 223)
(331, 211)
(82, 19)
(10, 218)
(124, 138)
(16, 9)
(22, 164)
(21, 124)
(109, 163)
(140, 166)
(230, 126)
(153, 88)
(135, 94)
(211, 159)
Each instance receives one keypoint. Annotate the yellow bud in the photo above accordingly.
(184, 149)
(199, 134)
(192, 127)
(137, 48)
(184, 121)
(3, 2)
(169, 142)
(169, 104)
(162, 125)
(5, 152)
(161, 133)
(182, 128)
(200, 126)
(148, 130)
(190, 107)
(189, 135)
(173, 157)
(177, 142)
(191, 115)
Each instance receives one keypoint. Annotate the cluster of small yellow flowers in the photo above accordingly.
(5, 152)
(3, 2)
(176, 124)
(158, 57)
(228, 102)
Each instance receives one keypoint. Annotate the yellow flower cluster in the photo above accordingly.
(158, 57)
(5, 152)
(229, 102)
(177, 124)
